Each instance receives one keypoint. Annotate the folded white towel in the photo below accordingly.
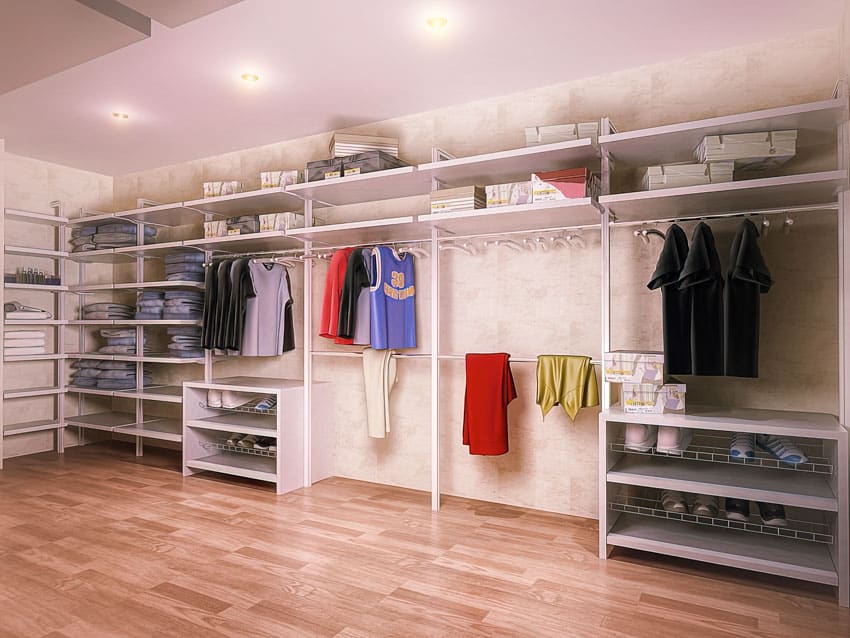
(23, 343)
(23, 334)
(18, 352)
(28, 315)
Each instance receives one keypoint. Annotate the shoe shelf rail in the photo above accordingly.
(249, 408)
(217, 446)
(815, 464)
(796, 529)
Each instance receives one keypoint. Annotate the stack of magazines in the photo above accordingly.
(535, 135)
(749, 151)
(676, 175)
(450, 200)
(345, 144)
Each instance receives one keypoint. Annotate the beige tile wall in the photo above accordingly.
(530, 304)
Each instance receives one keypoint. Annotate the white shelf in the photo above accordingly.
(365, 232)
(44, 287)
(32, 392)
(160, 429)
(165, 215)
(267, 241)
(796, 489)
(151, 250)
(35, 322)
(102, 256)
(728, 419)
(35, 218)
(35, 252)
(694, 201)
(266, 200)
(100, 218)
(31, 426)
(525, 217)
(163, 393)
(135, 322)
(513, 165)
(240, 422)
(260, 468)
(392, 183)
(157, 358)
(144, 285)
(255, 385)
(79, 390)
(676, 142)
(33, 357)
(779, 556)
(105, 421)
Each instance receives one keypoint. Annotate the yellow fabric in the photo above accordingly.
(566, 380)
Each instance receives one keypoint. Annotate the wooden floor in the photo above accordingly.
(102, 544)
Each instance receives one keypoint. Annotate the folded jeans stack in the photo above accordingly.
(185, 342)
(151, 303)
(119, 341)
(183, 304)
(84, 373)
(24, 342)
(107, 310)
(106, 375)
(110, 235)
(185, 266)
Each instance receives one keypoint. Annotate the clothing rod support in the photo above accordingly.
(731, 214)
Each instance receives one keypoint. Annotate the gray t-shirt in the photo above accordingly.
(363, 325)
(263, 334)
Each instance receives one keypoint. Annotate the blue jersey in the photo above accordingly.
(392, 299)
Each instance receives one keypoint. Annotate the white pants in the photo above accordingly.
(379, 373)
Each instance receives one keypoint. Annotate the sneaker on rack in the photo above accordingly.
(772, 514)
(248, 441)
(742, 446)
(737, 510)
(640, 438)
(267, 404)
(234, 438)
(213, 398)
(673, 440)
(262, 443)
(673, 501)
(231, 399)
(783, 449)
(705, 505)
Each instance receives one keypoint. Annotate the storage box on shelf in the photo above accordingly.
(206, 431)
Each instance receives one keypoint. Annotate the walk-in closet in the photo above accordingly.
(512, 321)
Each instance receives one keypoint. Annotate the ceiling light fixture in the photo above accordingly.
(250, 77)
(437, 22)
(120, 116)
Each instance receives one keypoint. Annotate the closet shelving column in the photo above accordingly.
(137, 424)
(814, 545)
(56, 390)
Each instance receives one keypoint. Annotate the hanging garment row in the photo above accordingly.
(707, 332)
(248, 308)
(370, 299)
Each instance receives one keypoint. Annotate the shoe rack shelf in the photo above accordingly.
(811, 546)
(303, 456)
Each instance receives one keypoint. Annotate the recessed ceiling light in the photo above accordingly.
(120, 116)
(437, 22)
(250, 77)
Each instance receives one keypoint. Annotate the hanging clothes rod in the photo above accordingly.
(731, 214)
(513, 233)
(420, 355)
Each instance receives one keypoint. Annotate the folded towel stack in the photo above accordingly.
(109, 235)
(106, 375)
(184, 266)
(108, 310)
(185, 342)
(17, 310)
(24, 342)
(183, 304)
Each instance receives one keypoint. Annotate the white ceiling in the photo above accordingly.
(173, 13)
(337, 63)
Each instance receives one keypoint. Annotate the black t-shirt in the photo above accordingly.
(210, 292)
(356, 278)
(676, 303)
(703, 277)
(746, 279)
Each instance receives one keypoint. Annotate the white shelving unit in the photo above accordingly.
(54, 301)
(818, 490)
(206, 430)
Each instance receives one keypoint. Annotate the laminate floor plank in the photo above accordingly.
(99, 543)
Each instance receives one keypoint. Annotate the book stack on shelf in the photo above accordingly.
(449, 200)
